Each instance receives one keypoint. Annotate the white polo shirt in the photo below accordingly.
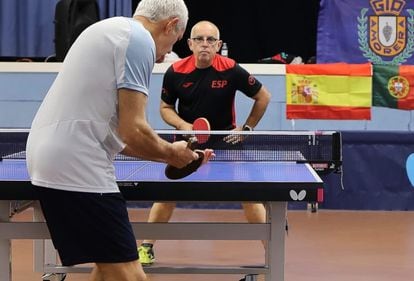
(74, 136)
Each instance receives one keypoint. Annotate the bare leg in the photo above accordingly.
(160, 212)
(95, 275)
(126, 271)
(255, 213)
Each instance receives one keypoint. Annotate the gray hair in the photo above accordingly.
(157, 10)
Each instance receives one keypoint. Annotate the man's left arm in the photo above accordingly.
(261, 100)
(251, 87)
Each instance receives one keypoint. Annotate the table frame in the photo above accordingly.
(46, 261)
(274, 195)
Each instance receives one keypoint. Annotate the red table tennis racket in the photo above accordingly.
(200, 124)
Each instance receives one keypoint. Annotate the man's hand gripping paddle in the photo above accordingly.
(174, 173)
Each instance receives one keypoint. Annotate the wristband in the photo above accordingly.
(247, 128)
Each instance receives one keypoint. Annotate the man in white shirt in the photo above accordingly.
(94, 110)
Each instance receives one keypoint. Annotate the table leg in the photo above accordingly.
(275, 248)
(44, 251)
(5, 244)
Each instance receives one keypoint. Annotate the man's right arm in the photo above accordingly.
(171, 117)
(140, 139)
(168, 102)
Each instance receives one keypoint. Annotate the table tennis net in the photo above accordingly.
(323, 150)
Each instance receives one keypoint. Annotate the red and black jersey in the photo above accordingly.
(208, 92)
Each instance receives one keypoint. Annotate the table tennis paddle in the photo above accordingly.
(201, 124)
(175, 173)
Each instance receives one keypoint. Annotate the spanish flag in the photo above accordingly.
(329, 91)
(393, 86)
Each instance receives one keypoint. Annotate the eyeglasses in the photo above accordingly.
(200, 39)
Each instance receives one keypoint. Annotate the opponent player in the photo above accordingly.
(205, 85)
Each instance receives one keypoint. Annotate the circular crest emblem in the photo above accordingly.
(398, 87)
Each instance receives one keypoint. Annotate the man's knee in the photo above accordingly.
(164, 207)
(254, 207)
(254, 212)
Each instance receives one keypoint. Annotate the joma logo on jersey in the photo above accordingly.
(218, 83)
(187, 84)
(387, 29)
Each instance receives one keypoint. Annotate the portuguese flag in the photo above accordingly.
(393, 86)
(329, 91)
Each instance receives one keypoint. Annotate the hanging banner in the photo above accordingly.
(393, 86)
(329, 91)
(376, 31)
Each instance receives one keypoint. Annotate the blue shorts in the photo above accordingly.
(88, 227)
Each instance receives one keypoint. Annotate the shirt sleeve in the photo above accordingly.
(136, 58)
(245, 82)
(168, 95)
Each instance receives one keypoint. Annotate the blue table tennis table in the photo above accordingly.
(270, 182)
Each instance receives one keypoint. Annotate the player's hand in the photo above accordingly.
(182, 155)
(185, 127)
(236, 138)
(208, 155)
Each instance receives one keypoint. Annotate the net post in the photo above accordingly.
(337, 150)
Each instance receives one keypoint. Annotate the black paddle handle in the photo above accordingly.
(192, 142)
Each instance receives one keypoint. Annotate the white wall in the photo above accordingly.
(23, 86)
